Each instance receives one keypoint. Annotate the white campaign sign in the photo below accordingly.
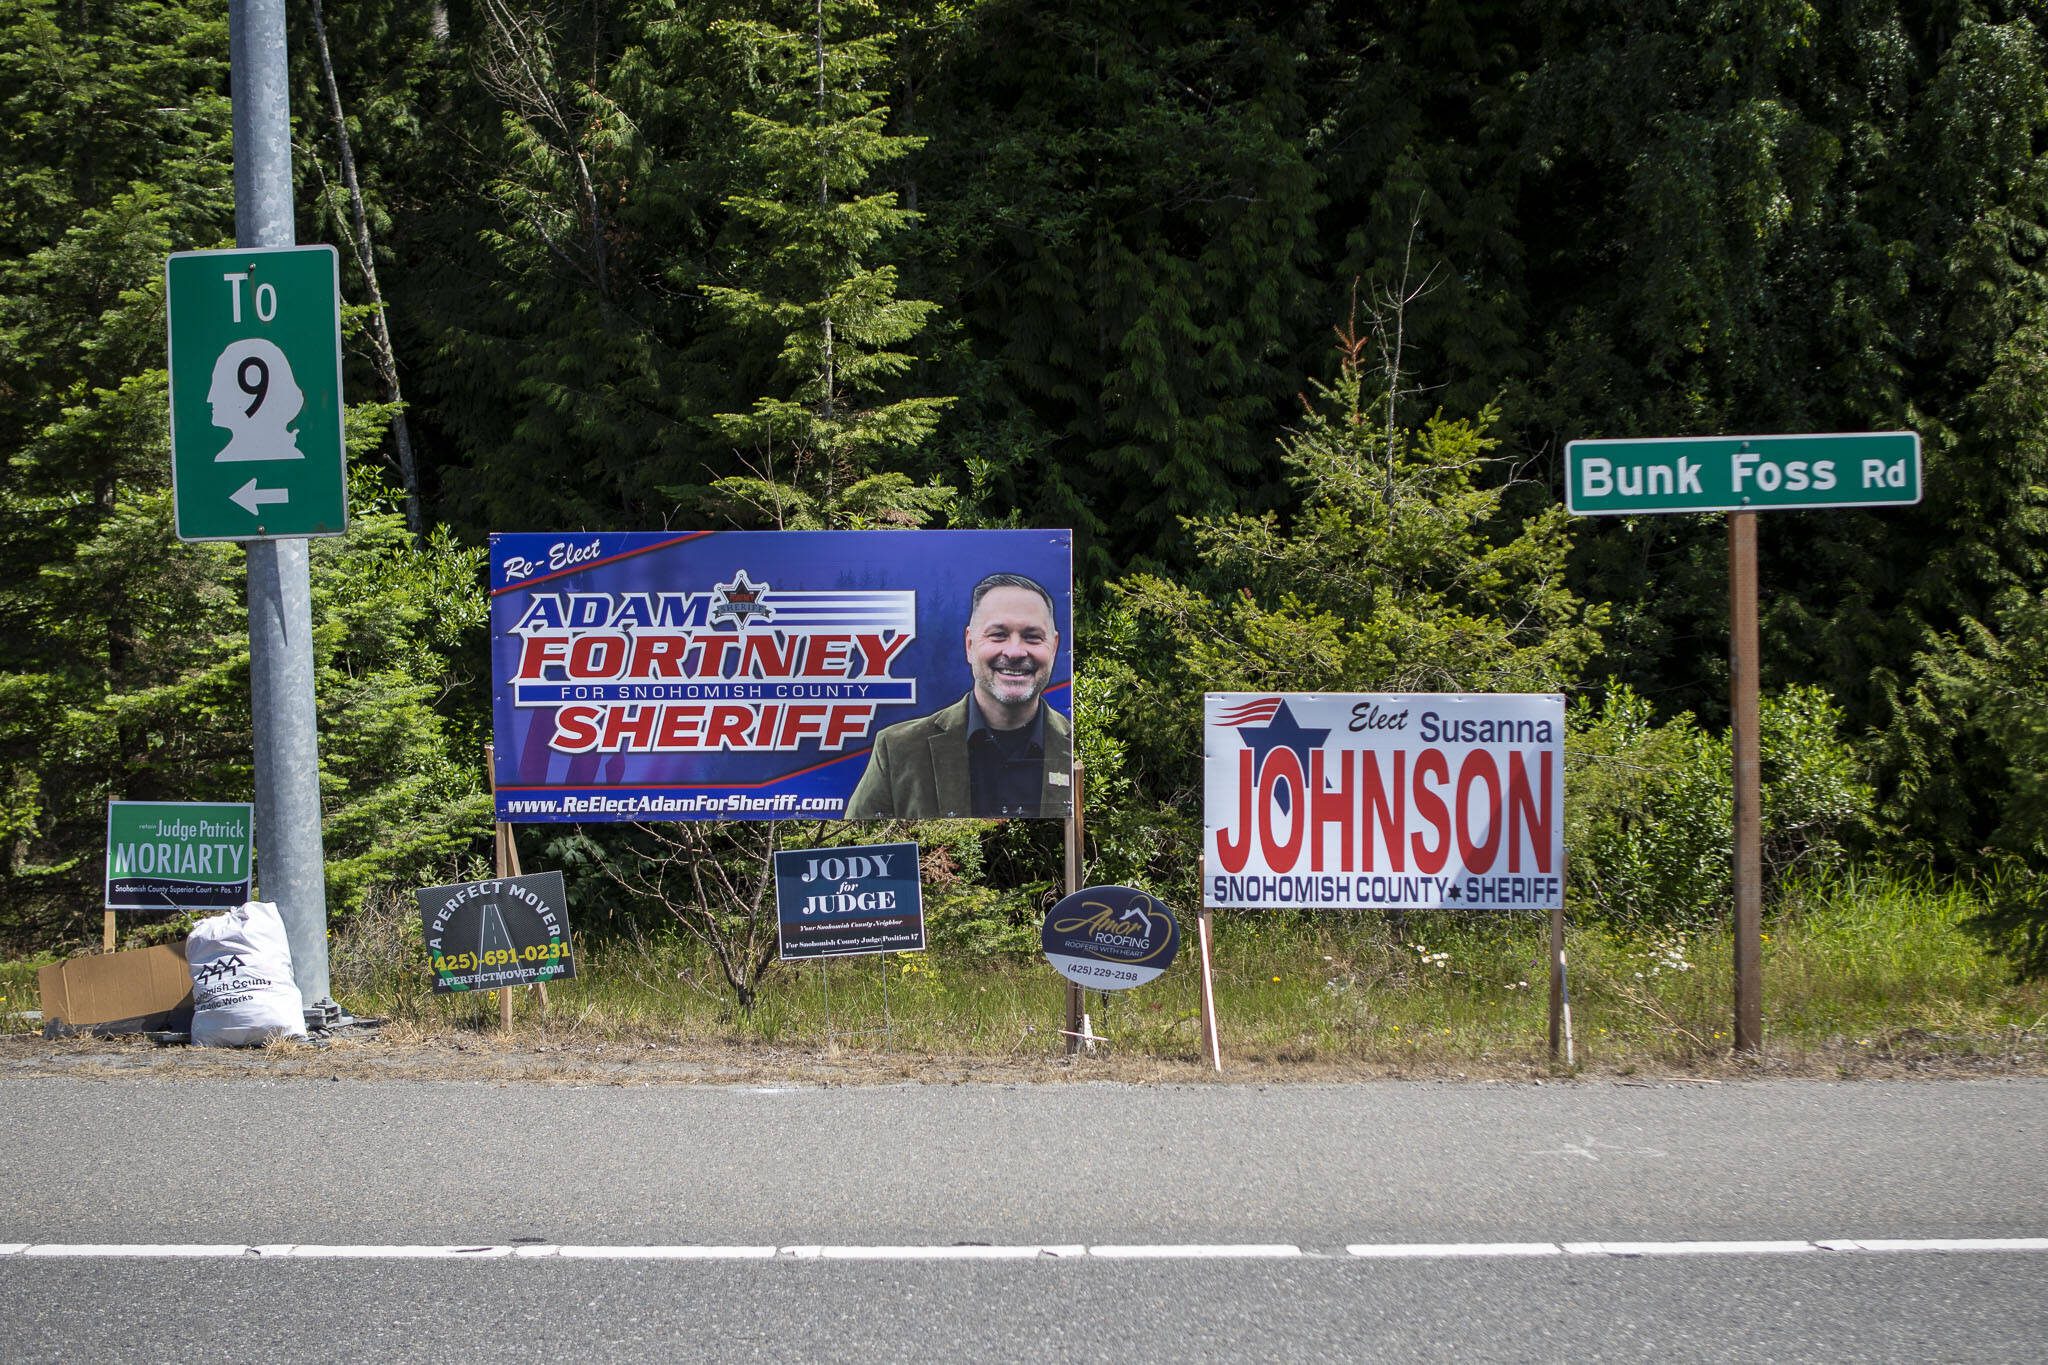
(1383, 801)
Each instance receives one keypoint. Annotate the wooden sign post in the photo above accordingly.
(1740, 475)
(1077, 1001)
(1560, 992)
(506, 863)
(1742, 715)
(1212, 1047)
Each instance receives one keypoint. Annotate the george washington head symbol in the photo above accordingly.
(254, 396)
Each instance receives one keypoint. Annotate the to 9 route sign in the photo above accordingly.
(255, 363)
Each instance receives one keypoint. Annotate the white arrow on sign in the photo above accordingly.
(251, 498)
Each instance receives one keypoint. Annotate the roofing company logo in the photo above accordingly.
(740, 601)
(1109, 937)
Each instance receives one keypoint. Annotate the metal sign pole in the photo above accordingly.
(1742, 688)
(289, 856)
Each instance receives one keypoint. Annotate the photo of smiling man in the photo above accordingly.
(999, 751)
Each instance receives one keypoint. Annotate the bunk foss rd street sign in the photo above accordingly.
(1741, 473)
(255, 361)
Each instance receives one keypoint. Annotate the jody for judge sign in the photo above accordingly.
(1383, 801)
(834, 902)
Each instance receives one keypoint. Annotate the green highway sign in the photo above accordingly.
(1741, 473)
(255, 359)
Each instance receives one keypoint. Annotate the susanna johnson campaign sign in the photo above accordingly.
(1384, 801)
(699, 675)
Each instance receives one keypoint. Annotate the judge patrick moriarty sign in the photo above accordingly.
(1110, 938)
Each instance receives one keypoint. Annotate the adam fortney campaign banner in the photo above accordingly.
(1384, 801)
(747, 674)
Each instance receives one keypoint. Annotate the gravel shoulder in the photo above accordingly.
(401, 1053)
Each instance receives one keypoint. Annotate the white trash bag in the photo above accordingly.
(242, 988)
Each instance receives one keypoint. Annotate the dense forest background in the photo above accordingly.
(1287, 309)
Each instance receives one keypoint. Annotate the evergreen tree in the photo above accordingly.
(807, 268)
(1124, 204)
(554, 262)
(123, 654)
(114, 153)
(1400, 569)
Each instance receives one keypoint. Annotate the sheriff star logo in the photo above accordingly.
(740, 601)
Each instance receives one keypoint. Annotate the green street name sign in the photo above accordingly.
(255, 359)
(178, 855)
(1741, 473)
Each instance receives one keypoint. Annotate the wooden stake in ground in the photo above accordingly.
(506, 861)
(107, 933)
(1212, 1046)
(1742, 698)
(1560, 992)
(1075, 1000)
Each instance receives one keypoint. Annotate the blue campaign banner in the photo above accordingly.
(762, 675)
(834, 902)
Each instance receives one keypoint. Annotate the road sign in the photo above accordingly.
(1741, 473)
(255, 359)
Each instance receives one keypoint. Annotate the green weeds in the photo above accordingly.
(1860, 967)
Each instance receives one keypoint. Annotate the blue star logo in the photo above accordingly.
(1282, 732)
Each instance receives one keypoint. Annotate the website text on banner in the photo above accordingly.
(767, 675)
(1395, 801)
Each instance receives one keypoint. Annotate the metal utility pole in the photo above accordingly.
(290, 861)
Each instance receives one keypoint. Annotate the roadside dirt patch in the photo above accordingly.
(402, 1053)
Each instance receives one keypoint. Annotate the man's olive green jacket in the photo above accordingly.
(918, 769)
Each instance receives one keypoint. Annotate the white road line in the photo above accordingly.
(932, 1253)
(1689, 1248)
(1623, 1250)
(170, 1250)
(649, 1253)
(1449, 1251)
(1196, 1251)
(1383, 1251)
(318, 1252)
(1942, 1244)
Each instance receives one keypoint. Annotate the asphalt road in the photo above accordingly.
(1318, 1168)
